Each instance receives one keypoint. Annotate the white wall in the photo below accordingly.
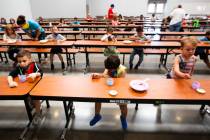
(137, 7)
(13, 8)
(58, 8)
(190, 6)
(124, 7)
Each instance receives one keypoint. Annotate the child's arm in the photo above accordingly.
(11, 82)
(177, 71)
(104, 38)
(37, 34)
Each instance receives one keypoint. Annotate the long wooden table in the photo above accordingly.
(127, 33)
(65, 33)
(96, 90)
(168, 45)
(20, 92)
(37, 44)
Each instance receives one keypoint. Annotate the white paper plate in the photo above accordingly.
(113, 92)
(43, 41)
(139, 85)
(127, 41)
(11, 41)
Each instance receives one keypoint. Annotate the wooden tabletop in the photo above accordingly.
(146, 33)
(153, 44)
(48, 32)
(37, 43)
(158, 44)
(21, 90)
(83, 88)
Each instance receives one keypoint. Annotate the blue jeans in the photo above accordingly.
(140, 53)
(175, 27)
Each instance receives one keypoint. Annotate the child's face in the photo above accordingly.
(9, 31)
(140, 33)
(54, 30)
(24, 61)
(208, 36)
(188, 50)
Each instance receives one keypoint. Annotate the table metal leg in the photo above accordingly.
(69, 111)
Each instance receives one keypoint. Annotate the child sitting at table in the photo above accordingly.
(114, 69)
(184, 63)
(75, 22)
(140, 37)
(11, 36)
(129, 23)
(110, 50)
(26, 70)
(56, 50)
(201, 51)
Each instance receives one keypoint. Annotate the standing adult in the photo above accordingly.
(111, 12)
(177, 16)
(32, 29)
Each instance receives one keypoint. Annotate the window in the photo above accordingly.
(151, 8)
(156, 6)
(159, 8)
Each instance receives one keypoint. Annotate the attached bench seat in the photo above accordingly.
(125, 51)
(70, 51)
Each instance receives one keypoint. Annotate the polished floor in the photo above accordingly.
(148, 122)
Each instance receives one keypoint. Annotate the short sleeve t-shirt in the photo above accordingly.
(33, 26)
(56, 37)
(31, 68)
(110, 13)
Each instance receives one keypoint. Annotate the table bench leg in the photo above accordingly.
(69, 111)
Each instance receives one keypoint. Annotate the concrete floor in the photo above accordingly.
(174, 122)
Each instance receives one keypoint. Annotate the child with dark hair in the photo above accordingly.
(140, 37)
(32, 29)
(26, 70)
(113, 69)
(108, 37)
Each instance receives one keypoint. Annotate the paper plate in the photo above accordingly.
(11, 41)
(201, 90)
(139, 85)
(112, 92)
(43, 41)
(127, 41)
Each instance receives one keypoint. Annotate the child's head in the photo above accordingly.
(24, 58)
(111, 64)
(109, 30)
(75, 18)
(61, 20)
(188, 46)
(112, 5)
(9, 30)
(3, 21)
(54, 29)
(21, 21)
(12, 21)
(153, 15)
(141, 17)
(208, 34)
(140, 30)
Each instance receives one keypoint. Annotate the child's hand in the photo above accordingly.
(96, 76)
(187, 76)
(31, 77)
(13, 84)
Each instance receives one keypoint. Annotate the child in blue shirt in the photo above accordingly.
(76, 22)
(32, 29)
